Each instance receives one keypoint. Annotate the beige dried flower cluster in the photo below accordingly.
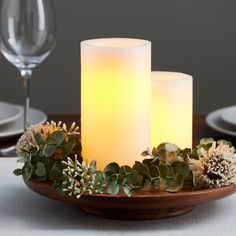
(27, 140)
(216, 167)
(81, 177)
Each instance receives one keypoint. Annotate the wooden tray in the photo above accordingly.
(145, 205)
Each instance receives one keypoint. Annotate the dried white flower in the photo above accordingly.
(24, 144)
(216, 167)
(81, 177)
(27, 140)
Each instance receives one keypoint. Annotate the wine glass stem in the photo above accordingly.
(26, 76)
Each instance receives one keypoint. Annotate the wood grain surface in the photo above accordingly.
(143, 205)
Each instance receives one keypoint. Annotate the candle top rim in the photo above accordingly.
(167, 76)
(120, 43)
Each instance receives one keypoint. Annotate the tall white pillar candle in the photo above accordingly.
(171, 109)
(115, 99)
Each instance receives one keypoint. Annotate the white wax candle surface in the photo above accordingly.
(171, 109)
(115, 99)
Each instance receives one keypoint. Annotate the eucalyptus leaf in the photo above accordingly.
(41, 153)
(127, 170)
(69, 146)
(111, 171)
(155, 152)
(77, 148)
(134, 177)
(206, 141)
(161, 146)
(56, 138)
(108, 176)
(139, 181)
(181, 167)
(113, 188)
(49, 150)
(194, 180)
(147, 183)
(27, 171)
(141, 168)
(112, 167)
(119, 177)
(144, 153)
(98, 182)
(164, 170)
(162, 155)
(40, 169)
(170, 172)
(172, 186)
(194, 156)
(126, 180)
(55, 171)
(154, 170)
(147, 161)
(27, 175)
(34, 151)
(127, 190)
(155, 161)
(39, 139)
(198, 150)
(179, 179)
(92, 166)
(18, 172)
(169, 147)
(185, 154)
(224, 142)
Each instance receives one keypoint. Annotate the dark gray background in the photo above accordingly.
(197, 37)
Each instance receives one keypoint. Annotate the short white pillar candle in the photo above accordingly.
(172, 99)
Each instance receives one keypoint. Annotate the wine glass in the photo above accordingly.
(27, 32)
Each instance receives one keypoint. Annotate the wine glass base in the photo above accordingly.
(8, 152)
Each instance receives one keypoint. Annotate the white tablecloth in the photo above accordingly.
(23, 212)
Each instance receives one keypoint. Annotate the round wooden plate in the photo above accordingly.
(145, 205)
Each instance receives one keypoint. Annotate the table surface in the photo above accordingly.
(23, 212)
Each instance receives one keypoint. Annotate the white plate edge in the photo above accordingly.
(214, 126)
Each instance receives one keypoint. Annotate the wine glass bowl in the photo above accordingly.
(28, 31)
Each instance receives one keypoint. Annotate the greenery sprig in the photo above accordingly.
(51, 152)
(43, 148)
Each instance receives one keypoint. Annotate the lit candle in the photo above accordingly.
(115, 99)
(171, 109)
